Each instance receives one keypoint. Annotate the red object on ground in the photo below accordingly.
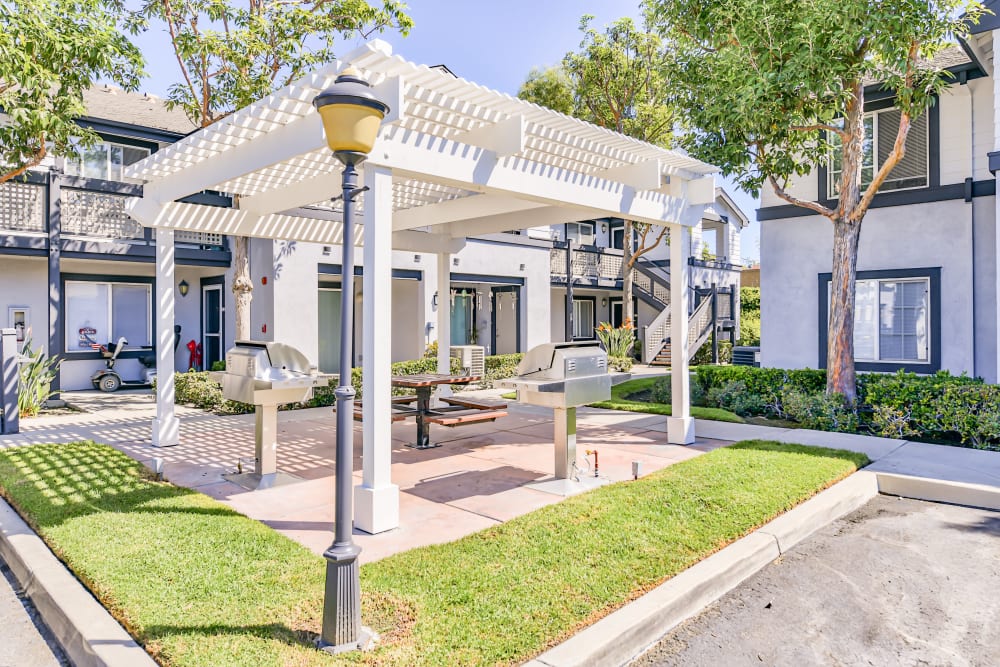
(194, 359)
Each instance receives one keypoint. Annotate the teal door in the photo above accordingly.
(329, 330)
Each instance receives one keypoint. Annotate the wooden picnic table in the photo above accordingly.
(423, 384)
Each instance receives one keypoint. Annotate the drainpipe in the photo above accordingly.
(972, 210)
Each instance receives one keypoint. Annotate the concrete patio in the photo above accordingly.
(476, 479)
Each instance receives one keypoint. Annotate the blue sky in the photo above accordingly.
(494, 43)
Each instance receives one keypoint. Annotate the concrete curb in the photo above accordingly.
(87, 633)
(624, 634)
(939, 491)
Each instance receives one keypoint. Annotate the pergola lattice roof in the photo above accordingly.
(445, 139)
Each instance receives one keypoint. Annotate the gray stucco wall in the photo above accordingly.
(795, 251)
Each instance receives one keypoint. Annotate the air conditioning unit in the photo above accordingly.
(472, 357)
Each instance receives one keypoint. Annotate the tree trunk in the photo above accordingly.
(627, 310)
(840, 374)
(242, 286)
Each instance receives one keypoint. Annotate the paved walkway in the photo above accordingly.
(477, 479)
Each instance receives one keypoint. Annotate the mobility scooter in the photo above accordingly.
(108, 379)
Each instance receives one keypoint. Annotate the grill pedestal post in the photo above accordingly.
(266, 440)
(565, 441)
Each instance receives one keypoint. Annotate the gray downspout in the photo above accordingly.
(972, 213)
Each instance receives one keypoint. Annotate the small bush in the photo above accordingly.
(704, 354)
(195, 388)
(500, 367)
(820, 411)
(219, 365)
(749, 316)
(621, 364)
(972, 412)
(735, 397)
(35, 377)
(662, 392)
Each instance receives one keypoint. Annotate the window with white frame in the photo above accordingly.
(913, 171)
(102, 312)
(583, 319)
(892, 320)
(581, 233)
(105, 160)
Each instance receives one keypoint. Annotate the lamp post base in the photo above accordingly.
(342, 629)
(367, 641)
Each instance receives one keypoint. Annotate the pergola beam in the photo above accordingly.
(463, 208)
(504, 138)
(538, 217)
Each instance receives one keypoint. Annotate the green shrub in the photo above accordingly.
(704, 354)
(662, 392)
(973, 412)
(195, 388)
(820, 411)
(749, 316)
(621, 364)
(500, 367)
(735, 397)
(219, 365)
(35, 376)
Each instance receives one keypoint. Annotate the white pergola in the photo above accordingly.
(453, 160)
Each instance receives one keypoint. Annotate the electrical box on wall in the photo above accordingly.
(19, 318)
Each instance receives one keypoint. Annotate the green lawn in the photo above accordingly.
(199, 584)
(620, 401)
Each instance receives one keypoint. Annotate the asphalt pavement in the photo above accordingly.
(24, 639)
(898, 582)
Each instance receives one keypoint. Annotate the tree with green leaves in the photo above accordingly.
(231, 54)
(617, 80)
(770, 90)
(51, 51)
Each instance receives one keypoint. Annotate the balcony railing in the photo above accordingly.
(98, 214)
(92, 214)
(22, 207)
(588, 264)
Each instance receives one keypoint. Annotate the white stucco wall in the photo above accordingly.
(24, 283)
(795, 251)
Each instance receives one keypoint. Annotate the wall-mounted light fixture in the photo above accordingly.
(183, 287)
(454, 262)
(604, 301)
(416, 259)
(434, 300)
(522, 267)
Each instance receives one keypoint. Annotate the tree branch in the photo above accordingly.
(33, 162)
(816, 127)
(812, 206)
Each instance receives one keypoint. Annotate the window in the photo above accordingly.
(102, 312)
(618, 237)
(583, 319)
(892, 320)
(463, 316)
(880, 135)
(581, 233)
(105, 160)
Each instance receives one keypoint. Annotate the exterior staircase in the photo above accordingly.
(652, 285)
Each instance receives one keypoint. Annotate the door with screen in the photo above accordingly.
(212, 319)
(329, 330)
(506, 320)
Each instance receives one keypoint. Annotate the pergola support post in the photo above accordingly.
(166, 426)
(680, 426)
(376, 499)
(444, 317)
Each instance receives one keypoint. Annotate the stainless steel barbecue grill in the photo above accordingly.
(564, 376)
(266, 374)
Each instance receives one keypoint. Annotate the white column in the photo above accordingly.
(680, 427)
(444, 316)
(996, 147)
(166, 427)
(376, 500)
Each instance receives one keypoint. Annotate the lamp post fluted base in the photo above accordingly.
(342, 629)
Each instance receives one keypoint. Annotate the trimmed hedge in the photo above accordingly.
(940, 407)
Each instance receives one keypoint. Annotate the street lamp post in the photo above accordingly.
(351, 116)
